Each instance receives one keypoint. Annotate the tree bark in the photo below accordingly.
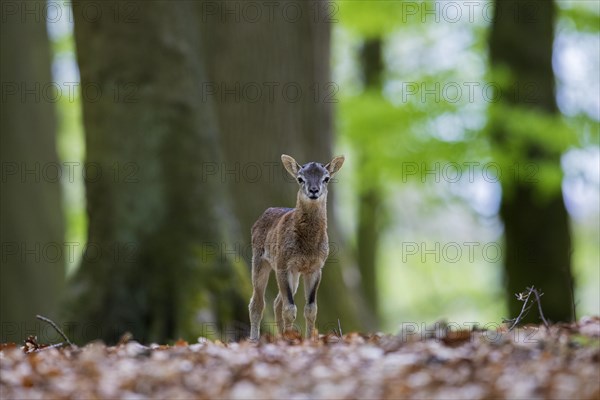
(156, 263)
(537, 235)
(271, 80)
(32, 228)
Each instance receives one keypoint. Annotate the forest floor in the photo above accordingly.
(562, 362)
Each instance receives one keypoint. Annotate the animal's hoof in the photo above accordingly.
(313, 335)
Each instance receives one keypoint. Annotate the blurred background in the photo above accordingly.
(140, 142)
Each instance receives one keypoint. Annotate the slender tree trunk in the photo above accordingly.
(368, 234)
(32, 228)
(156, 263)
(537, 236)
(271, 80)
(369, 205)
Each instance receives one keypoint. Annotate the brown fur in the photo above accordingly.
(292, 242)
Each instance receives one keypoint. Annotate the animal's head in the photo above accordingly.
(312, 177)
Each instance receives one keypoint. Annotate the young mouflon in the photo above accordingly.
(292, 242)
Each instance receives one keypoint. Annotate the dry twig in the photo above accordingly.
(53, 324)
(524, 297)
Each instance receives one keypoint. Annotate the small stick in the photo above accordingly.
(49, 321)
(52, 346)
(537, 298)
(520, 316)
(340, 328)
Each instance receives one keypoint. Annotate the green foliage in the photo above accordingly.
(370, 18)
(525, 135)
(371, 121)
(584, 16)
(387, 130)
(422, 286)
(391, 136)
(71, 150)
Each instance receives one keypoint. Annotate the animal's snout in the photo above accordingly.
(313, 189)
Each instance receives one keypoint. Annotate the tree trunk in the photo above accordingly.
(272, 84)
(367, 243)
(32, 228)
(537, 236)
(369, 205)
(156, 263)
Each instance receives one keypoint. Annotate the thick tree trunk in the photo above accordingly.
(538, 240)
(32, 229)
(158, 225)
(271, 80)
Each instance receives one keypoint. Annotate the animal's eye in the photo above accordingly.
(300, 180)
(326, 179)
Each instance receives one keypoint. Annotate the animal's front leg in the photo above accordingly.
(288, 283)
(311, 285)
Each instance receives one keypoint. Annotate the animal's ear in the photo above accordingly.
(291, 166)
(335, 165)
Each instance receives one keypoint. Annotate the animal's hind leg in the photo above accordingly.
(260, 278)
(277, 308)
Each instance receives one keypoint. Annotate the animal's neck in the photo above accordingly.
(311, 215)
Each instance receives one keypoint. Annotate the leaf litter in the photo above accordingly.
(561, 361)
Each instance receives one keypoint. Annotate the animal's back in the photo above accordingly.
(265, 223)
